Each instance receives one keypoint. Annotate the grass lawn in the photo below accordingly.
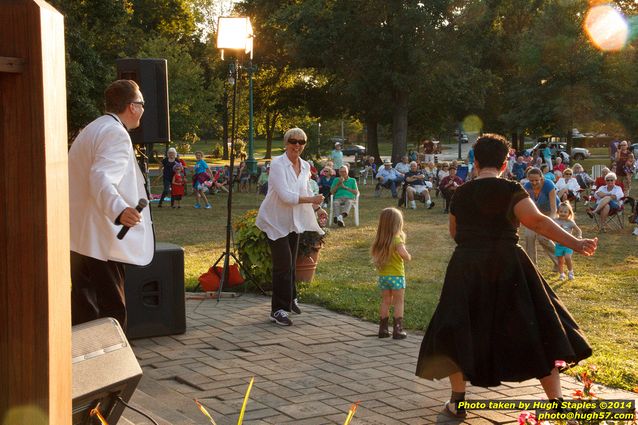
(603, 298)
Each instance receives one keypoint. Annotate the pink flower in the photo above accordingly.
(560, 364)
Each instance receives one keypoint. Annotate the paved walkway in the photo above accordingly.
(306, 374)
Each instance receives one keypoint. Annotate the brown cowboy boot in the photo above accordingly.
(397, 331)
(383, 328)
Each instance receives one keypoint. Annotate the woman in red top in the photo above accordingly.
(625, 162)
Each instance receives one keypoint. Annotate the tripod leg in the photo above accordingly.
(247, 273)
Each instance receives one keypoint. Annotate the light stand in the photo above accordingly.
(232, 39)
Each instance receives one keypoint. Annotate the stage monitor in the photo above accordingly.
(104, 368)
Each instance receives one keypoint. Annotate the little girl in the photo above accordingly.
(388, 254)
(566, 221)
(177, 185)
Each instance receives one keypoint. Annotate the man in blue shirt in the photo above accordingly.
(388, 177)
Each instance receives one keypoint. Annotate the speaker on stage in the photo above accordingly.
(155, 294)
(104, 368)
(152, 77)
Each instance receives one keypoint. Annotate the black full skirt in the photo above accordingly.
(497, 320)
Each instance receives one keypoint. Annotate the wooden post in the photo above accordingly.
(35, 312)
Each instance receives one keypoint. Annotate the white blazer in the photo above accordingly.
(104, 179)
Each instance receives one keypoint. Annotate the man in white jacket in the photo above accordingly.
(105, 185)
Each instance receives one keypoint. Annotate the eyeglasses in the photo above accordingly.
(297, 142)
(567, 174)
(139, 102)
(610, 180)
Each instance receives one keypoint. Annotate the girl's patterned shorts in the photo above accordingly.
(391, 282)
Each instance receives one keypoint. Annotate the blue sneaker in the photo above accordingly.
(197, 206)
(208, 206)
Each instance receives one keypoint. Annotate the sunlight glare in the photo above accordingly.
(606, 28)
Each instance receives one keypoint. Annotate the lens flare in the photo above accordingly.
(606, 28)
(472, 124)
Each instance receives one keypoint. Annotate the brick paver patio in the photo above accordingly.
(307, 374)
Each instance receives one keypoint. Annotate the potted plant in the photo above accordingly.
(253, 249)
(308, 254)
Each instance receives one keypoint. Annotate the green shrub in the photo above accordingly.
(254, 251)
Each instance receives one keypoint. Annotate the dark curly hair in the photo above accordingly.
(490, 150)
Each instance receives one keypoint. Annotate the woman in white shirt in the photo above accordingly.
(608, 199)
(567, 187)
(285, 213)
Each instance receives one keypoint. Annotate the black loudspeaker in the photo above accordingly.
(152, 77)
(155, 294)
(104, 368)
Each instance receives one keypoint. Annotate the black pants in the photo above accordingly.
(284, 257)
(97, 291)
(166, 191)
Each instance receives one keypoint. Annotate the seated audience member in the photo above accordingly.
(417, 185)
(448, 186)
(547, 174)
(518, 168)
(262, 181)
(369, 169)
(567, 187)
(314, 174)
(326, 178)
(428, 170)
(559, 165)
(584, 180)
(403, 166)
(328, 167)
(608, 199)
(388, 177)
(345, 191)
(600, 180)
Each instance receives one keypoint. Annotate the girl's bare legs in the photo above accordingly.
(203, 195)
(551, 385)
(386, 302)
(397, 302)
(568, 261)
(561, 263)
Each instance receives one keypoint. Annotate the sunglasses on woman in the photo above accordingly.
(297, 142)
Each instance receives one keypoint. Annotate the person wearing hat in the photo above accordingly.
(337, 156)
(388, 177)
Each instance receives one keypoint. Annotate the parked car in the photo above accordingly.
(356, 150)
(555, 145)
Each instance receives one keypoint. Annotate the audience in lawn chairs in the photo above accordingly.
(584, 180)
(567, 188)
(448, 186)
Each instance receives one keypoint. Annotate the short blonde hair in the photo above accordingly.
(295, 133)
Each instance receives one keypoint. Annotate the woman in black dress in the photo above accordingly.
(497, 319)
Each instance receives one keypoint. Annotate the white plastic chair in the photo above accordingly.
(596, 171)
(355, 207)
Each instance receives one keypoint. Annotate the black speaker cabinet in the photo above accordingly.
(155, 294)
(104, 368)
(152, 77)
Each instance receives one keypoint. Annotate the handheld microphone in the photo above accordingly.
(141, 204)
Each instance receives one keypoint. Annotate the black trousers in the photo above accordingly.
(284, 257)
(97, 291)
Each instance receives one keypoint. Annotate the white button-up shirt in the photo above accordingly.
(281, 213)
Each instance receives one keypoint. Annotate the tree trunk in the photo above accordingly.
(372, 135)
(400, 125)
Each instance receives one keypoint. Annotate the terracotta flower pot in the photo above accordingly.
(306, 266)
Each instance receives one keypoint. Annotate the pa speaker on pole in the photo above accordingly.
(152, 77)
